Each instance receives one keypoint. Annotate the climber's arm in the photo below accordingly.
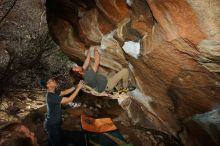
(96, 60)
(87, 61)
(67, 91)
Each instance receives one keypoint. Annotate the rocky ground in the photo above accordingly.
(29, 107)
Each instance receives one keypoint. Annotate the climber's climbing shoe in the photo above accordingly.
(131, 87)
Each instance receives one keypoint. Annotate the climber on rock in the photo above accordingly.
(98, 81)
(54, 99)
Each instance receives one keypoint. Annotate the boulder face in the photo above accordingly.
(23, 37)
(177, 19)
(27, 52)
(178, 64)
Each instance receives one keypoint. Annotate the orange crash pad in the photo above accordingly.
(97, 125)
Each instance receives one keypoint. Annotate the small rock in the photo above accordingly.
(98, 105)
(23, 96)
(95, 109)
(22, 110)
(4, 106)
(84, 105)
(28, 107)
(40, 103)
(32, 97)
(148, 132)
(13, 110)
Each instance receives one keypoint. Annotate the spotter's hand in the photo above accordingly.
(81, 84)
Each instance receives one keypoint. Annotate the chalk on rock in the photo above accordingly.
(132, 48)
(108, 40)
(129, 2)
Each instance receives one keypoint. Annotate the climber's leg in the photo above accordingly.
(121, 75)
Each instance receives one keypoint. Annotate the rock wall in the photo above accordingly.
(23, 28)
(176, 62)
(27, 51)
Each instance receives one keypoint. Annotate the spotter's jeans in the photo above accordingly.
(59, 137)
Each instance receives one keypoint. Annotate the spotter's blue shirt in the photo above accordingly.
(54, 112)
